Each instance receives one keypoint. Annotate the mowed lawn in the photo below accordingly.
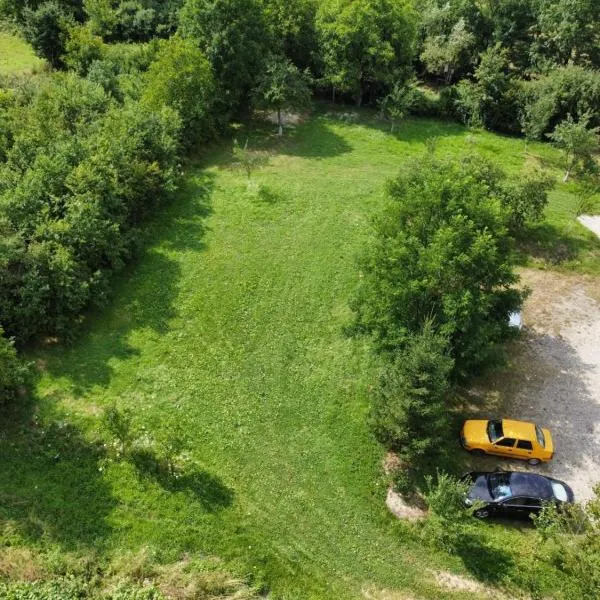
(16, 55)
(232, 324)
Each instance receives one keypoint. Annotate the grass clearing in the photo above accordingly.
(232, 322)
(16, 55)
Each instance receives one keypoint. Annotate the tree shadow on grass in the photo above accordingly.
(143, 295)
(206, 488)
(547, 243)
(51, 486)
(486, 563)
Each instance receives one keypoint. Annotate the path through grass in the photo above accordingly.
(233, 324)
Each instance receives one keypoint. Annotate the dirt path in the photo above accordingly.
(554, 376)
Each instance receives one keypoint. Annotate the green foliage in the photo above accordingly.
(564, 91)
(449, 516)
(80, 175)
(13, 372)
(410, 413)
(569, 539)
(119, 424)
(293, 30)
(235, 38)
(399, 102)
(493, 100)
(82, 48)
(578, 143)
(442, 252)
(247, 159)
(180, 78)
(282, 86)
(365, 46)
(46, 30)
(444, 55)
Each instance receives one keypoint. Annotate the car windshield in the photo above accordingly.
(499, 484)
(494, 430)
(540, 436)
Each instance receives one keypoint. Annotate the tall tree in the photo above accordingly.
(235, 38)
(282, 86)
(441, 252)
(365, 45)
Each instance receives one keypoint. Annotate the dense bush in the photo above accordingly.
(410, 407)
(80, 175)
(442, 251)
(180, 78)
(365, 46)
(234, 36)
(565, 91)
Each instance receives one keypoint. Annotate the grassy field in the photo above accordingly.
(232, 325)
(16, 55)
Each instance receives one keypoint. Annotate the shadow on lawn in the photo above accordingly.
(143, 295)
(50, 484)
(546, 242)
(207, 489)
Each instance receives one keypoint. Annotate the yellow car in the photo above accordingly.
(512, 439)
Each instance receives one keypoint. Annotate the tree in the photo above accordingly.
(578, 142)
(292, 30)
(397, 104)
(441, 252)
(567, 32)
(282, 86)
(247, 159)
(180, 77)
(443, 55)
(409, 414)
(46, 30)
(118, 423)
(235, 38)
(365, 45)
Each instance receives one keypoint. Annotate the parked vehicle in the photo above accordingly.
(511, 439)
(514, 494)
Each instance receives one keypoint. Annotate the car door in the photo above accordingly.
(504, 447)
(515, 508)
(524, 449)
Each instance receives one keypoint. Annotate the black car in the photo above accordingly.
(514, 494)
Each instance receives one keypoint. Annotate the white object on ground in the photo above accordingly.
(515, 320)
(591, 222)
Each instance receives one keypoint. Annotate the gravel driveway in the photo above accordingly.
(553, 377)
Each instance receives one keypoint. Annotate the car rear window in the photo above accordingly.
(539, 434)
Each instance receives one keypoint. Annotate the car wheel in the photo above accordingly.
(482, 513)
(477, 452)
(534, 461)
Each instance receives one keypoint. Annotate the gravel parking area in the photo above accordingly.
(553, 377)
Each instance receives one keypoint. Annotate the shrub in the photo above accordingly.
(564, 91)
(180, 78)
(13, 372)
(449, 516)
(410, 407)
(46, 30)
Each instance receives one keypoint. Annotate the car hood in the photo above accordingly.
(475, 432)
(480, 489)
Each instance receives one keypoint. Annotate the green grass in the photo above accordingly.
(232, 322)
(16, 55)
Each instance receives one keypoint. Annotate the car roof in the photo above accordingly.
(518, 429)
(531, 485)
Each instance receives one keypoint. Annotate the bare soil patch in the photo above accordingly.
(553, 377)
